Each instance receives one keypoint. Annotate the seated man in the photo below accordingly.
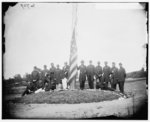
(47, 83)
(40, 86)
(52, 81)
(31, 88)
(104, 85)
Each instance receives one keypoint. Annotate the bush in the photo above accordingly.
(137, 74)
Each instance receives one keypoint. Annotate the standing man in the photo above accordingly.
(106, 74)
(58, 77)
(114, 76)
(66, 70)
(65, 75)
(98, 73)
(121, 77)
(52, 73)
(35, 75)
(47, 83)
(82, 75)
(90, 74)
(52, 69)
(44, 74)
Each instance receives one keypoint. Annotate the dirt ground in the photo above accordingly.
(120, 108)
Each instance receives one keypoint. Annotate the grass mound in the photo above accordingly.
(68, 97)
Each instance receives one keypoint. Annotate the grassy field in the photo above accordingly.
(69, 97)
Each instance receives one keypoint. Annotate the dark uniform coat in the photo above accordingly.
(90, 75)
(31, 88)
(59, 75)
(106, 73)
(98, 71)
(35, 75)
(47, 84)
(114, 74)
(90, 70)
(82, 75)
(53, 81)
(121, 78)
(52, 71)
(121, 74)
(44, 73)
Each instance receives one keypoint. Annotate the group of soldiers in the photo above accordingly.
(49, 80)
(45, 79)
(103, 76)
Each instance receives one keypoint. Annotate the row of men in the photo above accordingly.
(103, 76)
(51, 78)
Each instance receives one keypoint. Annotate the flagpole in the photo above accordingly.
(73, 51)
(74, 16)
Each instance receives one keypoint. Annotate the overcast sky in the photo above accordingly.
(41, 34)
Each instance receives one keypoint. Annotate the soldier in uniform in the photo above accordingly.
(47, 83)
(82, 75)
(59, 76)
(52, 73)
(40, 83)
(35, 74)
(33, 85)
(121, 77)
(66, 69)
(98, 73)
(44, 73)
(90, 74)
(106, 74)
(114, 76)
(52, 81)
(52, 69)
